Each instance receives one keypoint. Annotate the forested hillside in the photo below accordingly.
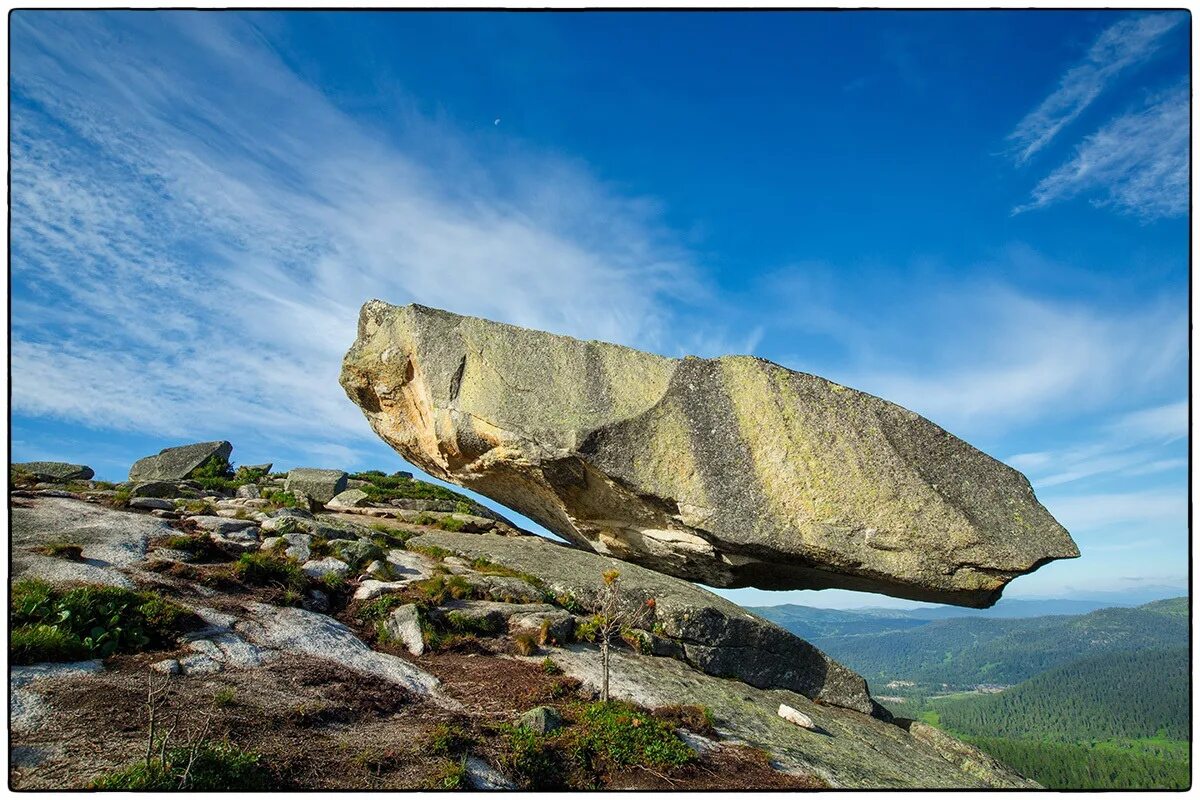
(1127, 695)
(970, 651)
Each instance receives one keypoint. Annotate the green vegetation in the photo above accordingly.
(600, 738)
(550, 668)
(1130, 695)
(1101, 765)
(281, 499)
(967, 651)
(52, 624)
(267, 569)
(67, 550)
(452, 776)
(211, 766)
(448, 740)
(381, 488)
(440, 588)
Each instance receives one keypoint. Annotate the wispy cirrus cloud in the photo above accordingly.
(1136, 164)
(1129, 445)
(1119, 47)
(195, 226)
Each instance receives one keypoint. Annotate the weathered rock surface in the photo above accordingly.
(691, 624)
(56, 471)
(846, 749)
(178, 463)
(731, 471)
(320, 485)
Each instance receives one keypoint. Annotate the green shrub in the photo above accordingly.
(268, 569)
(451, 524)
(426, 519)
(67, 550)
(333, 582)
(51, 624)
(382, 488)
(458, 622)
(550, 668)
(120, 498)
(440, 588)
(463, 507)
(587, 630)
(281, 499)
(216, 474)
(33, 644)
(218, 766)
(452, 776)
(380, 607)
(618, 733)
(533, 757)
(448, 740)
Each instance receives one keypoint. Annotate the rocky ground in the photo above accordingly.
(342, 640)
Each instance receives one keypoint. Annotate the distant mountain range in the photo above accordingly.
(969, 650)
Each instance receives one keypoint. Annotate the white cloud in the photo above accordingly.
(1136, 164)
(195, 227)
(1121, 46)
(1004, 356)
(1095, 511)
(1163, 423)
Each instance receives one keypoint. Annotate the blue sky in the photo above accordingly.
(979, 215)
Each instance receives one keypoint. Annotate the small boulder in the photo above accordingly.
(559, 625)
(177, 463)
(378, 570)
(248, 491)
(541, 720)
(356, 552)
(369, 590)
(404, 626)
(224, 526)
(319, 485)
(351, 498)
(282, 525)
(483, 777)
(151, 504)
(294, 545)
(326, 566)
(796, 717)
(56, 471)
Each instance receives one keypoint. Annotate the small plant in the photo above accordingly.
(281, 499)
(69, 551)
(380, 607)
(440, 588)
(268, 569)
(451, 776)
(120, 498)
(225, 697)
(462, 507)
(334, 582)
(695, 718)
(452, 524)
(51, 624)
(426, 519)
(613, 614)
(619, 733)
(533, 757)
(448, 740)
(526, 642)
(550, 668)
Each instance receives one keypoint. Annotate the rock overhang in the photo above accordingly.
(730, 472)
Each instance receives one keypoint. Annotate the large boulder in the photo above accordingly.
(687, 623)
(731, 471)
(178, 463)
(320, 485)
(56, 471)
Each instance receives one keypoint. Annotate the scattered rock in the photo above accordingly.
(151, 504)
(369, 590)
(796, 717)
(254, 469)
(248, 491)
(319, 485)
(326, 566)
(731, 471)
(168, 666)
(356, 552)
(404, 625)
(56, 471)
(351, 498)
(378, 570)
(225, 526)
(541, 720)
(708, 632)
(177, 463)
(559, 624)
(483, 777)
(295, 545)
(286, 524)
